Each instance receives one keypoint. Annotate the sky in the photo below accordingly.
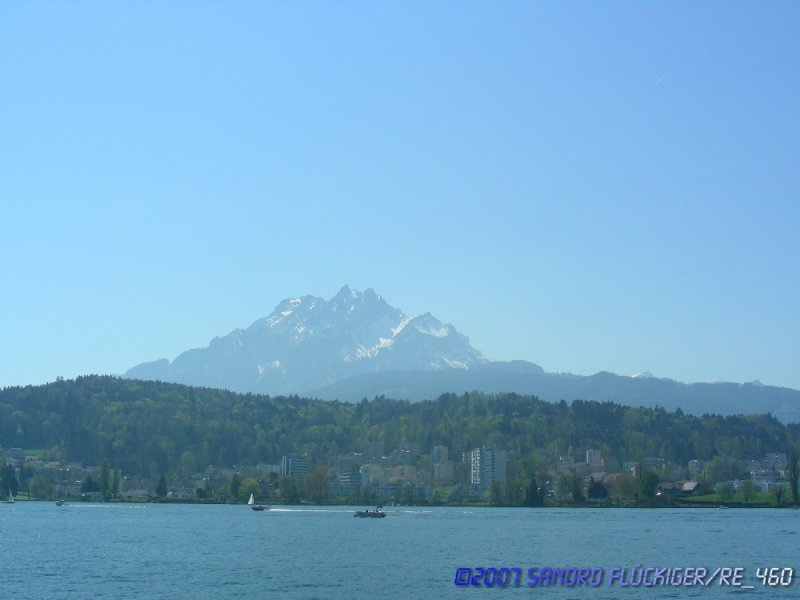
(599, 186)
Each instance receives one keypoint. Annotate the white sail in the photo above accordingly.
(252, 500)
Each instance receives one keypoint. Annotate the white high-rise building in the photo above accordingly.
(487, 466)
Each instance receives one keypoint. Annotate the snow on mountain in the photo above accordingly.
(643, 375)
(308, 342)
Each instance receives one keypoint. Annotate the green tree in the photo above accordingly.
(747, 490)
(563, 493)
(724, 490)
(115, 483)
(456, 495)
(515, 492)
(161, 488)
(154, 470)
(89, 485)
(496, 494)
(233, 487)
(648, 484)
(287, 486)
(725, 469)
(317, 484)
(570, 488)
(10, 483)
(793, 477)
(249, 486)
(624, 487)
(105, 481)
(40, 488)
(778, 491)
(187, 464)
(24, 476)
(533, 497)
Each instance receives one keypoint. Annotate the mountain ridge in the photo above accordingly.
(723, 398)
(308, 342)
(356, 345)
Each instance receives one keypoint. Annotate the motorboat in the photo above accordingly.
(370, 514)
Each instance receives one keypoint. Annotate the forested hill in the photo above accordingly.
(143, 426)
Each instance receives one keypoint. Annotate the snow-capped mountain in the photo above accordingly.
(355, 345)
(308, 342)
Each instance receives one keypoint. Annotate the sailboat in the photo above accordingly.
(252, 504)
(10, 499)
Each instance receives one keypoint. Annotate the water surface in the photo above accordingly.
(185, 551)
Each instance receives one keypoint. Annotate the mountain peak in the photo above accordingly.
(347, 293)
(308, 342)
(429, 325)
(643, 375)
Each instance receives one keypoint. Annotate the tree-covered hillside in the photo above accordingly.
(150, 427)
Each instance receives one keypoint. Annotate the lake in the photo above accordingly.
(212, 551)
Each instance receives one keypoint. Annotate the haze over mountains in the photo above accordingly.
(357, 346)
(307, 343)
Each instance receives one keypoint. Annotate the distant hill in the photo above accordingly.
(308, 342)
(152, 427)
(526, 378)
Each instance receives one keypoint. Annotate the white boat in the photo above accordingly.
(10, 499)
(252, 504)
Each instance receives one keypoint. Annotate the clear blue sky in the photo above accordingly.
(589, 186)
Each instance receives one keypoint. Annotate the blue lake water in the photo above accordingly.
(183, 551)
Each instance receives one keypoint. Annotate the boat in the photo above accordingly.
(10, 499)
(59, 503)
(370, 514)
(252, 504)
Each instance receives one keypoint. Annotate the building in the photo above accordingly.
(652, 463)
(776, 460)
(404, 474)
(347, 485)
(443, 473)
(15, 456)
(294, 465)
(631, 467)
(488, 465)
(267, 469)
(594, 458)
(439, 455)
(696, 468)
(372, 474)
(690, 488)
(765, 479)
